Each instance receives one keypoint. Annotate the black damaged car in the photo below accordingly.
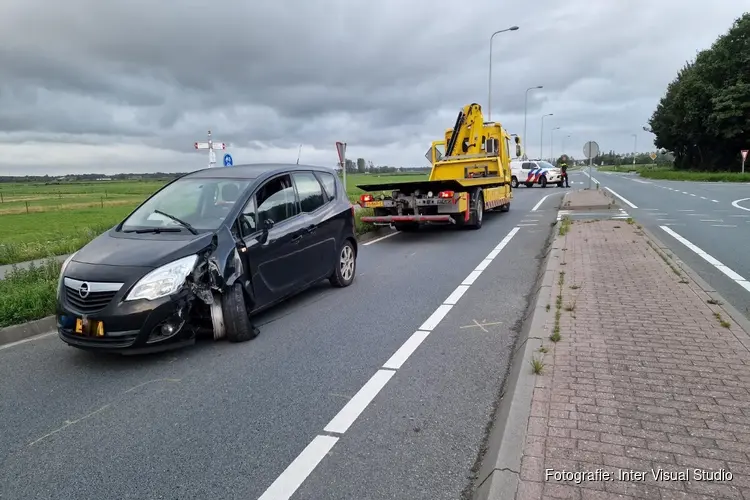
(207, 252)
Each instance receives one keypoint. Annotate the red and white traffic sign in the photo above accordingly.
(744, 154)
(341, 149)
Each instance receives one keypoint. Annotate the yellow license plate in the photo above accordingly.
(375, 204)
(95, 328)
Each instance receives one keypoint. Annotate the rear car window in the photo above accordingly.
(329, 183)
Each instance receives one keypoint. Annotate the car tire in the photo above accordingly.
(346, 266)
(477, 213)
(528, 184)
(543, 182)
(513, 182)
(236, 317)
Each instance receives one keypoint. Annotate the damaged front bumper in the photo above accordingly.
(132, 327)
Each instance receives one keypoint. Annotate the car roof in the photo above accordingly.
(253, 170)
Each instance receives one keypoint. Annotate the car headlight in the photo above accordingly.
(163, 281)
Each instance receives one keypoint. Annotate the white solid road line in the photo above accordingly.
(294, 475)
(354, 408)
(539, 204)
(23, 341)
(623, 199)
(406, 350)
(592, 178)
(736, 204)
(292, 478)
(380, 239)
(711, 260)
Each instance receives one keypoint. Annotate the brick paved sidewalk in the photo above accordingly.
(645, 376)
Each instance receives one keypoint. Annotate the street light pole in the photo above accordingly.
(635, 146)
(541, 138)
(489, 92)
(565, 139)
(525, 109)
(552, 144)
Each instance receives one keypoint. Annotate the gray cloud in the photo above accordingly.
(130, 78)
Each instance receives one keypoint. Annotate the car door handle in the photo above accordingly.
(296, 239)
(311, 229)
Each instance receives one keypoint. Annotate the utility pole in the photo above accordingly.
(489, 91)
(552, 145)
(541, 138)
(525, 112)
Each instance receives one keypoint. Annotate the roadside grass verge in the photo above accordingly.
(28, 294)
(690, 175)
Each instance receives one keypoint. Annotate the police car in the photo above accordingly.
(530, 172)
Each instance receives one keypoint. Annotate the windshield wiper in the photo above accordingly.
(156, 230)
(179, 221)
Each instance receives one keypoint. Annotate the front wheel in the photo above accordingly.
(346, 265)
(513, 182)
(543, 182)
(236, 317)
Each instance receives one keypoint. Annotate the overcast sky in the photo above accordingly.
(130, 85)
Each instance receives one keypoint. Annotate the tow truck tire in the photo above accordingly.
(513, 182)
(346, 266)
(505, 208)
(236, 318)
(543, 182)
(477, 213)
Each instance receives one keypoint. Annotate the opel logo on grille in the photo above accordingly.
(83, 291)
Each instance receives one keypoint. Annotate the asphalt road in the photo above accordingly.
(222, 420)
(694, 219)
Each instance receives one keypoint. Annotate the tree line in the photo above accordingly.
(704, 116)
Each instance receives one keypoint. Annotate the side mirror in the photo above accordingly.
(518, 148)
(268, 224)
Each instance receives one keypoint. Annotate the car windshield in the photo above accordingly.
(198, 203)
(545, 164)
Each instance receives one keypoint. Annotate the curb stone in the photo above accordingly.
(14, 333)
(498, 476)
(709, 291)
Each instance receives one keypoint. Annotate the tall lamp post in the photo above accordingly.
(525, 109)
(552, 144)
(635, 146)
(489, 92)
(565, 139)
(541, 138)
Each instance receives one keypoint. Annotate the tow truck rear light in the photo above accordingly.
(446, 194)
(365, 198)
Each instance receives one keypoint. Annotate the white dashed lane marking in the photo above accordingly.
(301, 467)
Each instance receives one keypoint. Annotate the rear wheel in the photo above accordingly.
(513, 182)
(236, 317)
(505, 208)
(477, 212)
(346, 265)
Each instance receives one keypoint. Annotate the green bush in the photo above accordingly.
(29, 294)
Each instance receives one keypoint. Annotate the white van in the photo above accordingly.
(530, 172)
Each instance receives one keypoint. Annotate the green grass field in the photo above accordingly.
(38, 220)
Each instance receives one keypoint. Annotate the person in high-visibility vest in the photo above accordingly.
(564, 168)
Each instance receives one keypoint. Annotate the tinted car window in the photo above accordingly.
(201, 202)
(329, 184)
(309, 191)
(527, 166)
(276, 200)
(248, 217)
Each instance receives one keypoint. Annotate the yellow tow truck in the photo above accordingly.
(471, 176)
